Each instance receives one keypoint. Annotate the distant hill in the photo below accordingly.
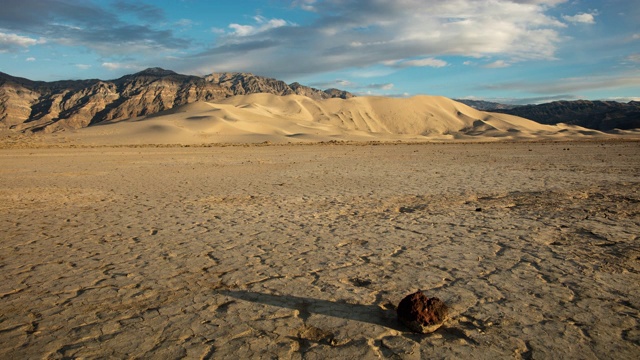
(598, 115)
(27, 105)
(485, 105)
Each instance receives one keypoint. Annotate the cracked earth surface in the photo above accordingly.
(304, 251)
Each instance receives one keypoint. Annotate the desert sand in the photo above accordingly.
(303, 251)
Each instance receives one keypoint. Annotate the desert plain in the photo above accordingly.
(263, 226)
(303, 251)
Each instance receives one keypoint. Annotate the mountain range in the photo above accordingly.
(32, 106)
(27, 105)
(598, 115)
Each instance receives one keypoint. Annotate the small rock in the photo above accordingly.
(422, 314)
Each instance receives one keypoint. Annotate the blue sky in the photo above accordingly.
(519, 51)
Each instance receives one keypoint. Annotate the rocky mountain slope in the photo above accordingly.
(598, 115)
(27, 105)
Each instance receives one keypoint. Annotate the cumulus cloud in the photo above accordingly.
(242, 30)
(364, 33)
(262, 24)
(82, 66)
(30, 59)
(581, 18)
(14, 42)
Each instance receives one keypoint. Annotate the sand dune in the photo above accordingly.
(294, 118)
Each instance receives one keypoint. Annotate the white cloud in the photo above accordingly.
(242, 30)
(85, 66)
(497, 64)
(344, 83)
(271, 22)
(305, 4)
(30, 59)
(362, 34)
(263, 24)
(387, 86)
(581, 18)
(338, 83)
(372, 72)
(425, 62)
(635, 36)
(12, 42)
(67, 26)
(385, 94)
(119, 66)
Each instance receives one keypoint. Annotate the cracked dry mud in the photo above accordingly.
(304, 251)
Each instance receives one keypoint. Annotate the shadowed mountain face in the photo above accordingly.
(598, 115)
(27, 105)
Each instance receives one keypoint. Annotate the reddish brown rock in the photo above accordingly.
(422, 314)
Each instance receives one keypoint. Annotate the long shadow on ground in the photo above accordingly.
(382, 315)
(377, 314)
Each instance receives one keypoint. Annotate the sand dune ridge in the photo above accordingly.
(293, 118)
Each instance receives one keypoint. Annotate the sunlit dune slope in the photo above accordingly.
(294, 118)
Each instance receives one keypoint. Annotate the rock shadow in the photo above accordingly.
(381, 315)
